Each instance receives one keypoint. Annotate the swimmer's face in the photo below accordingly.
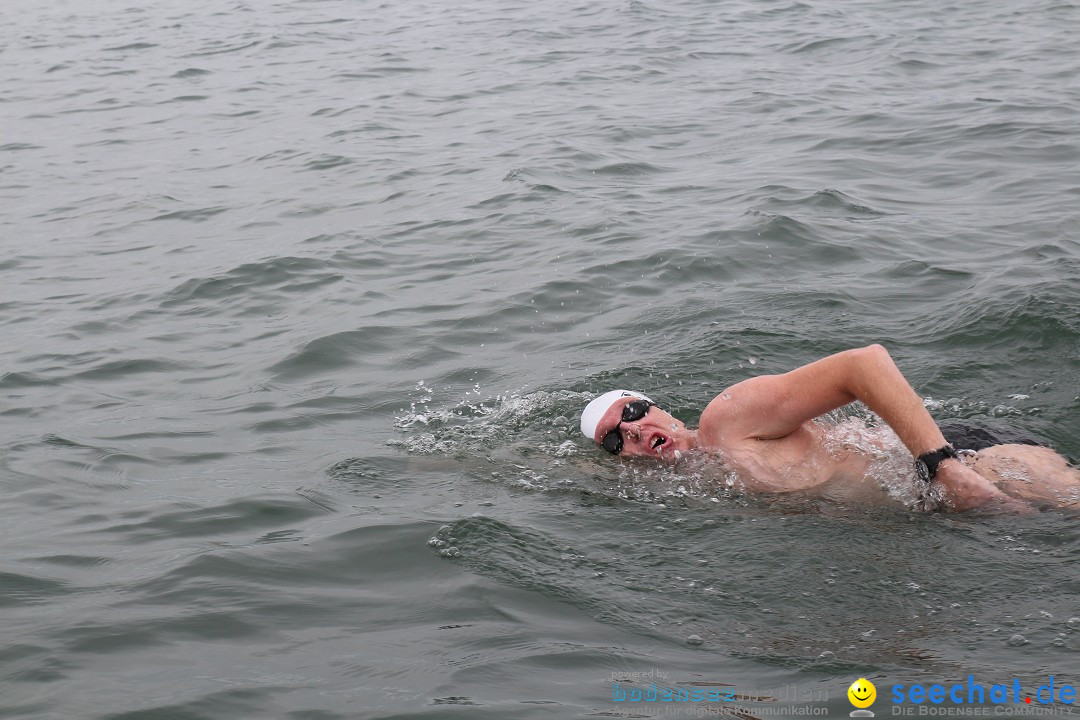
(656, 434)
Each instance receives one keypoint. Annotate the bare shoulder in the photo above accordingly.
(717, 408)
(720, 423)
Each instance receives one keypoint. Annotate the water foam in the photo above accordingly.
(489, 422)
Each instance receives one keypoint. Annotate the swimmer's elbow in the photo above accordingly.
(867, 356)
(868, 367)
(874, 359)
(877, 352)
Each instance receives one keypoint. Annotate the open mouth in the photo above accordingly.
(658, 442)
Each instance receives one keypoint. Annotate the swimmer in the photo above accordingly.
(764, 428)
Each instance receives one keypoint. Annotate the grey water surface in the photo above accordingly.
(300, 301)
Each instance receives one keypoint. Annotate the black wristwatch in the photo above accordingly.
(926, 465)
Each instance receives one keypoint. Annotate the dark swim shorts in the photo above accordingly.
(969, 437)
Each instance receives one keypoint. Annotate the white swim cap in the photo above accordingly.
(595, 410)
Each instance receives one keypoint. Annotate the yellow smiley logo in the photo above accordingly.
(862, 693)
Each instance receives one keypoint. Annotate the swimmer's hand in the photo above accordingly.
(966, 489)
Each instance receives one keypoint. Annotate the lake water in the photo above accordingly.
(301, 300)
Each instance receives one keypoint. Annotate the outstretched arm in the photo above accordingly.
(773, 406)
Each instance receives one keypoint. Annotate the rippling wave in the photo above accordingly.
(301, 302)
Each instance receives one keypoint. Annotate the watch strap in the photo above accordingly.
(926, 465)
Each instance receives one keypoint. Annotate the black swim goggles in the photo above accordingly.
(632, 412)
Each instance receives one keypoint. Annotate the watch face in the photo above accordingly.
(922, 471)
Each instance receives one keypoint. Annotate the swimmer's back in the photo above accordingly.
(1027, 472)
